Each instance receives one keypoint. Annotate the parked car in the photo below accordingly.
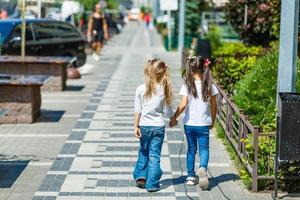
(43, 38)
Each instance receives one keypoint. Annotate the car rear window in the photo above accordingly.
(5, 30)
(45, 30)
(65, 30)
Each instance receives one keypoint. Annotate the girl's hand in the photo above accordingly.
(173, 122)
(89, 39)
(106, 37)
(137, 132)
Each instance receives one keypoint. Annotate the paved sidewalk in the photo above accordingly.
(83, 146)
(97, 159)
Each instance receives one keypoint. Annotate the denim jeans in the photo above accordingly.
(194, 135)
(148, 162)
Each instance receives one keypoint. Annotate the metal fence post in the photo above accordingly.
(255, 165)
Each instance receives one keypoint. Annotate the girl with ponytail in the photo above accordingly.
(153, 102)
(200, 106)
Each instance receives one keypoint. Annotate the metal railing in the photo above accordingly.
(245, 138)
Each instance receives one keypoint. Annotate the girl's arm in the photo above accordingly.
(105, 28)
(137, 131)
(213, 103)
(137, 113)
(90, 25)
(180, 109)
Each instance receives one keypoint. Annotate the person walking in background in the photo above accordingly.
(97, 31)
(153, 102)
(147, 19)
(3, 13)
(200, 105)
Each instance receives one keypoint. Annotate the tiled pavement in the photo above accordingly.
(99, 152)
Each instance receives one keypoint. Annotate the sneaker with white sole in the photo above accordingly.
(191, 181)
(96, 56)
(203, 180)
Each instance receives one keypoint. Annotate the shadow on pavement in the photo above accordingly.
(172, 181)
(50, 115)
(215, 181)
(10, 171)
(75, 88)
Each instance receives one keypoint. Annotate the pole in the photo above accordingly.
(39, 7)
(246, 15)
(288, 46)
(169, 29)
(23, 8)
(181, 26)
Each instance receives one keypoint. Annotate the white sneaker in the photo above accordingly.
(191, 181)
(96, 57)
(203, 180)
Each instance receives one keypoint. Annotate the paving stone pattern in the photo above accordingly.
(98, 148)
(97, 159)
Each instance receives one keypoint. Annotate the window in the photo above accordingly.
(66, 30)
(5, 30)
(18, 32)
(45, 30)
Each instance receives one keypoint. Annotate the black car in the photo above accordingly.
(43, 38)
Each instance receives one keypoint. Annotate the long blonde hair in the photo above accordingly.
(156, 72)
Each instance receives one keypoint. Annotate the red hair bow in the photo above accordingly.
(207, 62)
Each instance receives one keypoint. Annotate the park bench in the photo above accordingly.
(20, 98)
(55, 67)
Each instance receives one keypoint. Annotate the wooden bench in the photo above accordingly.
(55, 67)
(20, 98)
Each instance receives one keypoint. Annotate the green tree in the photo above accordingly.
(112, 4)
(262, 20)
(90, 4)
(193, 9)
(192, 17)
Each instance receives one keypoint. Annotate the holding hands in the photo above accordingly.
(173, 122)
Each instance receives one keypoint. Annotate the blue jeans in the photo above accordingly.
(194, 135)
(148, 162)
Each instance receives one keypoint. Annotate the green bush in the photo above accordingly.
(214, 36)
(161, 27)
(256, 95)
(256, 92)
(234, 60)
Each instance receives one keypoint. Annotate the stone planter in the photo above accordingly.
(20, 97)
(55, 67)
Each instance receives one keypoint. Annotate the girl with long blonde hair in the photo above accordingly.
(153, 101)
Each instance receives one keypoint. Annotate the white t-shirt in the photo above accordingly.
(154, 110)
(197, 112)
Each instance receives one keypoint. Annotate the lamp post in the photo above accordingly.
(181, 26)
(286, 65)
(288, 46)
(23, 32)
(39, 7)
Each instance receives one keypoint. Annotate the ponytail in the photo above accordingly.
(197, 64)
(188, 77)
(206, 82)
(167, 85)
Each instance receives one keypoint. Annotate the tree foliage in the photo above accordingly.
(192, 17)
(90, 4)
(262, 20)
